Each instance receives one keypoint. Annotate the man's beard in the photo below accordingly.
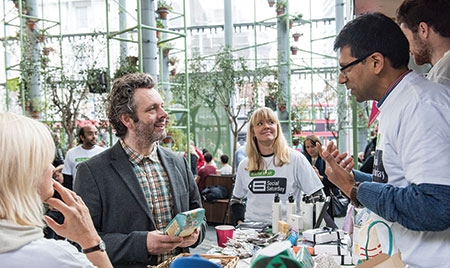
(146, 134)
(421, 52)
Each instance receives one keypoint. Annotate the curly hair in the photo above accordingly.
(121, 99)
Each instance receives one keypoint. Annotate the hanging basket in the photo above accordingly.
(296, 36)
(271, 3)
(163, 12)
(173, 72)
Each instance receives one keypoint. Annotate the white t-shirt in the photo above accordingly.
(225, 170)
(260, 187)
(413, 145)
(77, 155)
(441, 71)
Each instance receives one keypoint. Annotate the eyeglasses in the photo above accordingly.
(342, 70)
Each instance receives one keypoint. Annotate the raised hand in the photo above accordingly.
(337, 169)
(78, 225)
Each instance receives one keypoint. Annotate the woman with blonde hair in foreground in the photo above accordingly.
(271, 167)
(26, 153)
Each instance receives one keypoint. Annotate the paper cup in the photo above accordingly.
(224, 232)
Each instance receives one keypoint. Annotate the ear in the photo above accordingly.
(423, 30)
(127, 121)
(378, 62)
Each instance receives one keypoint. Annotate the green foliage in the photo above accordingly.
(164, 4)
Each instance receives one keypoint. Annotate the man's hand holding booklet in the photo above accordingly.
(185, 223)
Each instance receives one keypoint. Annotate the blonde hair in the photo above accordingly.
(26, 150)
(280, 146)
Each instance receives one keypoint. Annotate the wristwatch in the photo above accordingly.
(354, 195)
(101, 246)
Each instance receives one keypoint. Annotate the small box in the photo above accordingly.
(323, 235)
(296, 222)
(283, 227)
(185, 223)
(332, 248)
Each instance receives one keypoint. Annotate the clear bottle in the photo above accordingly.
(276, 213)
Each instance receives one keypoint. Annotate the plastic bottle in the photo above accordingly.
(306, 211)
(291, 207)
(276, 213)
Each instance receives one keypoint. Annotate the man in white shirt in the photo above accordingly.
(226, 169)
(88, 148)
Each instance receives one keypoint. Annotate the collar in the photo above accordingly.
(375, 106)
(136, 157)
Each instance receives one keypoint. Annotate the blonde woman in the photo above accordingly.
(26, 153)
(270, 167)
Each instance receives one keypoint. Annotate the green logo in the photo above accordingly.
(262, 173)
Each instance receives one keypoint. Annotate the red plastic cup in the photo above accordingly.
(224, 232)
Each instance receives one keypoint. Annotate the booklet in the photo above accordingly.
(185, 223)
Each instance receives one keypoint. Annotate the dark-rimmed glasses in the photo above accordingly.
(342, 70)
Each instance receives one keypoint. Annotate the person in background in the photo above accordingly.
(425, 24)
(410, 186)
(136, 187)
(318, 164)
(269, 160)
(208, 169)
(26, 153)
(240, 153)
(226, 169)
(88, 148)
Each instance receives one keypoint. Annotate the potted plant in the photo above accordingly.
(166, 47)
(271, 3)
(46, 50)
(173, 60)
(31, 23)
(281, 8)
(294, 50)
(173, 71)
(163, 9)
(296, 36)
(160, 25)
(291, 23)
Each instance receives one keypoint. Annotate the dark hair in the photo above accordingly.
(204, 151)
(121, 99)
(433, 12)
(81, 133)
(313, 139)
(224, 158)
(375, 32)
(208, 157)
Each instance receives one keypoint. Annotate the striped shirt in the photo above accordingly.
(155, 185)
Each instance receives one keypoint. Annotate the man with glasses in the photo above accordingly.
(410, 186)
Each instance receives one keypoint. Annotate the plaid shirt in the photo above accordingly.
(156, 187)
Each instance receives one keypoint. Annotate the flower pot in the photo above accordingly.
(294, 50)
(280, 11)
(173, 72)
(166, 51)
(172, 61)
(291, 23)
(31, 24)
(271, 3)
(296, 36)
(163, 12)
(46, 51)
(41, 37)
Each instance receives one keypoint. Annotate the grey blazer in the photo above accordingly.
(110, 189)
